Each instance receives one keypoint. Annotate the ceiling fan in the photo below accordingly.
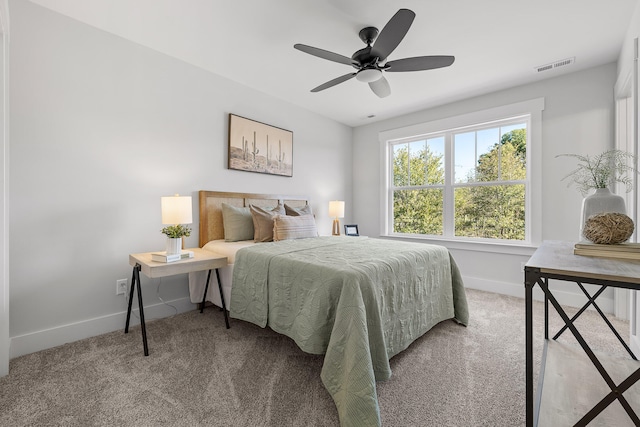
(370, 61)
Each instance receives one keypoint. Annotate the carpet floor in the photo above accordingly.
(200, 374)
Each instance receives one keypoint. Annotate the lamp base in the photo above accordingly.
(336, 227)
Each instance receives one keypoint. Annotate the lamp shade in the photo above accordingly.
(176, 210)
(336, 209)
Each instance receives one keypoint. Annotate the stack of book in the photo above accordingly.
(621, 250)
(163, 257)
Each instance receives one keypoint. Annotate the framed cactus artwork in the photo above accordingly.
(258, 147)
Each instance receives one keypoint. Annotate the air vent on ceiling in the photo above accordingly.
(553, 65)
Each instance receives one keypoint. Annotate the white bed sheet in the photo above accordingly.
(198, 279)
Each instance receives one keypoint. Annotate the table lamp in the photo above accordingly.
(176, 210)
(336, 210)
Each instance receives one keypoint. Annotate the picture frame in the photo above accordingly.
(351, 230)
(259, 147)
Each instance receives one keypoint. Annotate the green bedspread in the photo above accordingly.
(359, 301)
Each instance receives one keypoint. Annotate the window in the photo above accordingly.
(468, 182)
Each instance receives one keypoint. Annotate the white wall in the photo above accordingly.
(625, 60)
(100, 129)
(578, 118)
(4, 193)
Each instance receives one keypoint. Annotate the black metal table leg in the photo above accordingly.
(135, 284)
(141, 308)
(546, 314)
(224, 307)
(530, 281)
(206, 288)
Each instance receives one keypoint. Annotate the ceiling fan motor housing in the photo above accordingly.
(364, 57)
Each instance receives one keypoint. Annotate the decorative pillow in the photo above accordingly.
(306, 210)
(237, 223)
(263, 222)
(294, 227)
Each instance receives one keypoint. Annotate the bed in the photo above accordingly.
(211, 236)
(358, 301)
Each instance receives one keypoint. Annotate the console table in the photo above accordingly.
(578, 386)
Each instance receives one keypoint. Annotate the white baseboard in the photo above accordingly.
(53, 337)
(564, 298)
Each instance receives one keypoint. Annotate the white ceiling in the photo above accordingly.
(497, 43)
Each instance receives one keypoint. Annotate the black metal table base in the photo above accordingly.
(135, 285)
(533, 277)
(204, 297)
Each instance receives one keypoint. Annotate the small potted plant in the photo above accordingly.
(175, 233)
(600, 172)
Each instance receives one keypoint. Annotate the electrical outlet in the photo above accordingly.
(121, 286)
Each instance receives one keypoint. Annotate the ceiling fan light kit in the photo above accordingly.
(369, 75)
(367, 61)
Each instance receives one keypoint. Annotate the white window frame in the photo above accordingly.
(533, 206)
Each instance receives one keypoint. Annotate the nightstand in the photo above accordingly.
(202, 260)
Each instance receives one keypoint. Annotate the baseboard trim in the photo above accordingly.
(564, 298)
(59, 335)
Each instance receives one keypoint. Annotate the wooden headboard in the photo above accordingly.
(211, 227)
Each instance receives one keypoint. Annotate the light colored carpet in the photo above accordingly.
(200, 374)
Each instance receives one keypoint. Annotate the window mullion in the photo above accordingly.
(448, 204)
(408, 164)
(391, 193)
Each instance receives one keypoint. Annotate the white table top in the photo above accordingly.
(556, 257)
(202, 260)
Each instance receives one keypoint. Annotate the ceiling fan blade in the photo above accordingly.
(333, 82)
(393, 33)
(324, 54)
(419, 63)
(381, 87)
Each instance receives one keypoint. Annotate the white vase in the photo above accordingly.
(174, 245)
(601, 201)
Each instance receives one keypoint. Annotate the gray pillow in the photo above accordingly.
(306, 210)
(263, 222)
(237, 223)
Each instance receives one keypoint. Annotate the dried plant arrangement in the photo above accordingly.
(602, 170)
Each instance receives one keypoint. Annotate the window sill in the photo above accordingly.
(466, 245)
